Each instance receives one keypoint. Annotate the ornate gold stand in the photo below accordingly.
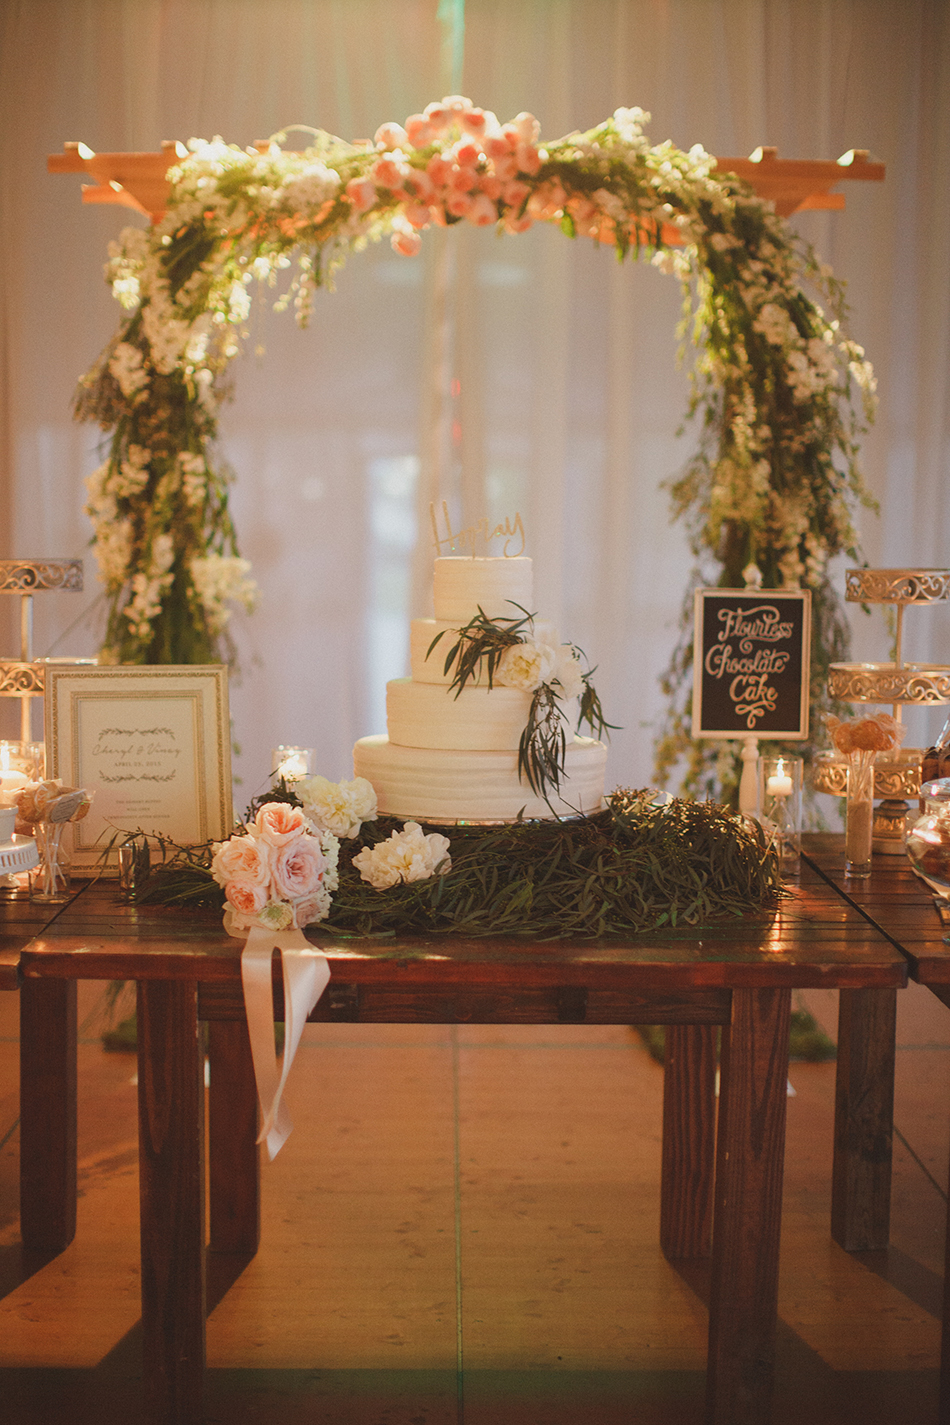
(22, 678)
(898, 683)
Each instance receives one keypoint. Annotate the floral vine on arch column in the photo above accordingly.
(781, 393)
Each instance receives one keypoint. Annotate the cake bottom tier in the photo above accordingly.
(448, 785)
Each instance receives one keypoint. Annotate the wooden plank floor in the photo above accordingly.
(462, 1230)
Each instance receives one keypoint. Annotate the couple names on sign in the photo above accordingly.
(750, 663)
(152, 742)
(478, 535)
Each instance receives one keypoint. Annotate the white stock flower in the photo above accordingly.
(525, 666)
(339, 807)
(218, 578)
(775, 324)
(407, 855)
(113, 549)
(310, 188)
(128, 369)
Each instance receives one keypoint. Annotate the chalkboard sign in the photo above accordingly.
(750, 663)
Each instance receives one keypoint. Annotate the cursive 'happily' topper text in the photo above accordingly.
(478, 534)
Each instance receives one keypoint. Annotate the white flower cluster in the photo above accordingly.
(128, 369)
(219, 578)
(149, 586)
(407, 855)
(311, 187)
(340, 807)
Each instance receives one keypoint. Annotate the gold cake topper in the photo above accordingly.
(476, 534)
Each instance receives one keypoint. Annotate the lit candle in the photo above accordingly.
(780, 783)
(292, 763)
(10, 779)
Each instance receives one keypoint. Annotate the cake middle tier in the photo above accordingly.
(480, 719)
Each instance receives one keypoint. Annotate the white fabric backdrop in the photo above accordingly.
(566, 398)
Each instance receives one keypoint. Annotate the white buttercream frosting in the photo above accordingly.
(458, 785)
(500, 587)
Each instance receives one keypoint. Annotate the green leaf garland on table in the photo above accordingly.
(635, 867)
(780, 392)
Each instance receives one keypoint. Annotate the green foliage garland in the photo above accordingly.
(632, 868)
(779, 391)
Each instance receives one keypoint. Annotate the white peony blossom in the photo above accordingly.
(407, 855)
(526, 666)
(339, 807)
(567, 676)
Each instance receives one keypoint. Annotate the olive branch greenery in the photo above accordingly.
(542, 747)
(634, 867)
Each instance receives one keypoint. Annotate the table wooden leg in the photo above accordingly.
(748, 1204)
(864, 1119)
(47, 1114)
(171, 1142)
(689, 1140)
(234, 1160)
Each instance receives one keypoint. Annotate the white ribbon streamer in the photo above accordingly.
(306, 976)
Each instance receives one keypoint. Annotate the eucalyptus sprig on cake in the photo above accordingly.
(510, 653)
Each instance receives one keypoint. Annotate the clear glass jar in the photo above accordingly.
(928, 841)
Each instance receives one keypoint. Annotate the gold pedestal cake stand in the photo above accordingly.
(900, 684)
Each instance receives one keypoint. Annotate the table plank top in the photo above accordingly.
(895, 900)
(814, 937)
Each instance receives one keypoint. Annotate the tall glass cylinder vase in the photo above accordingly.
(779, 807)
(859, 815)
(49, 881)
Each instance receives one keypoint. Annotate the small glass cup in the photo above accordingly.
(779, 807)
(49, 881)
(927, 842)
(291, 763)
(859, 816)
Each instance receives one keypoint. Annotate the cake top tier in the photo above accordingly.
(462, 585)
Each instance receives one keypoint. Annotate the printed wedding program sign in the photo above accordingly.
(152, 743)
(750, 663)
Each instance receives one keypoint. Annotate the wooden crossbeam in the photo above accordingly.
(138, 180)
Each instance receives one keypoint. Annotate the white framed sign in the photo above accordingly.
(751, 653)
(153, 742)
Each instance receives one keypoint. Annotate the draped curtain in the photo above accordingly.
(499, 374)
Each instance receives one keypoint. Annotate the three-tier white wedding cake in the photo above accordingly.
(451, 755)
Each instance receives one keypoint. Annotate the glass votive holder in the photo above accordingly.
(291, 763)
(779, 807)
(20, 762)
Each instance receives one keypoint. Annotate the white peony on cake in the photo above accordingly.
(451, 756)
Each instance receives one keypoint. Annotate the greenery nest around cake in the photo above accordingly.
(634, 867)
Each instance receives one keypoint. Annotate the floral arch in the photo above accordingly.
(781, 393)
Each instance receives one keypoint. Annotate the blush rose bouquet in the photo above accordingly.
(275, 872)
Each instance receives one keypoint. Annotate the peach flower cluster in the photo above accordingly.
(407, 855)
(477, 172)
(276, 874)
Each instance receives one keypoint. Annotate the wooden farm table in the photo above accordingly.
(737, 974)
(901, 906)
